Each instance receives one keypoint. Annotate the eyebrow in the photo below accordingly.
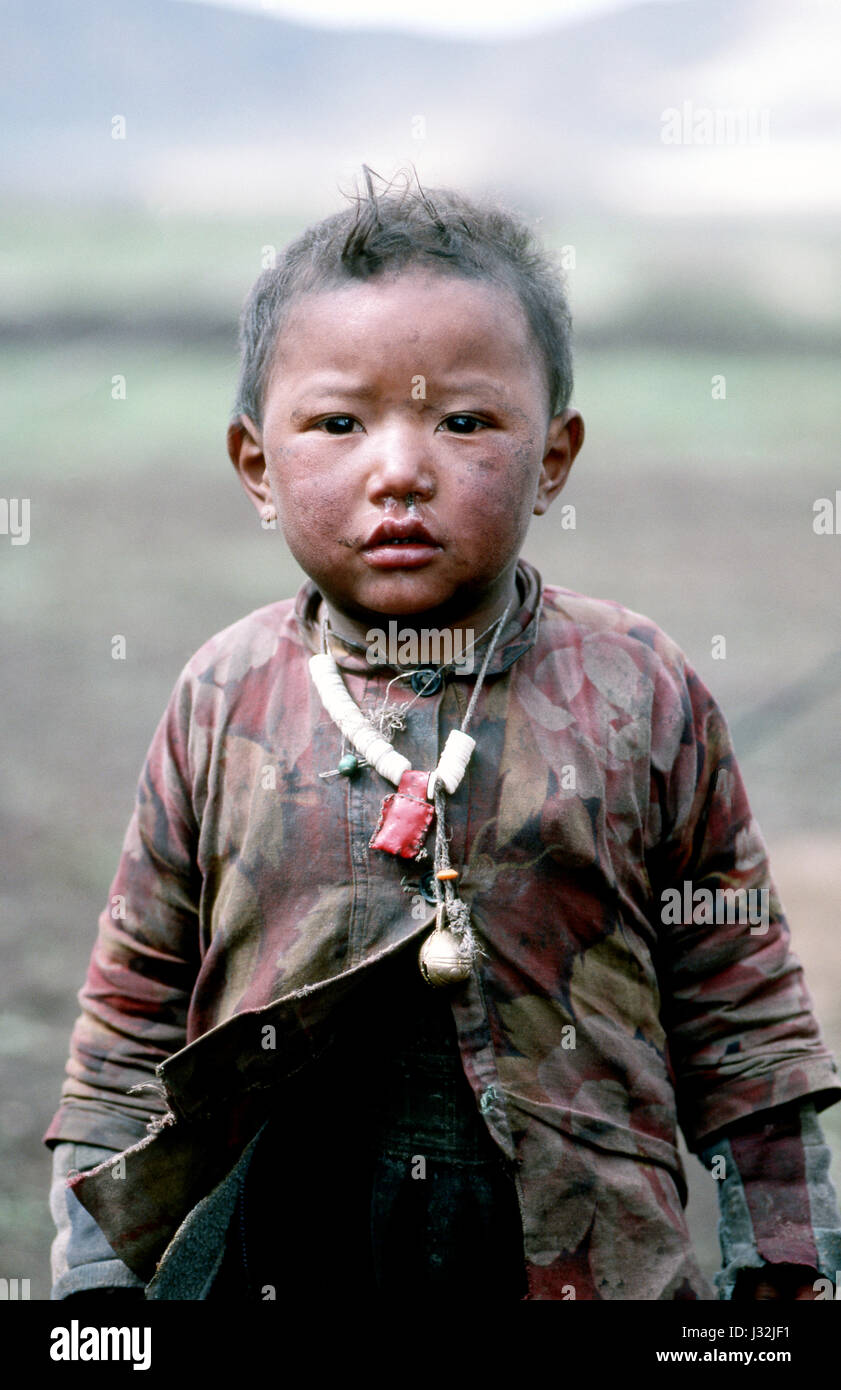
(330, 388)
(335, 387)
(329, 384)
(468, 387)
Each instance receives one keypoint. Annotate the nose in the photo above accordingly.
(400, 465)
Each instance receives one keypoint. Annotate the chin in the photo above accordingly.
(402, 608)
(396, 601)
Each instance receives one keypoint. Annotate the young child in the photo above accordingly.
(413, 966)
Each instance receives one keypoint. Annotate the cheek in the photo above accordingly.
(502, 492)
(309, 498)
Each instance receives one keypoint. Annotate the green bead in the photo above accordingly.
(348, 765)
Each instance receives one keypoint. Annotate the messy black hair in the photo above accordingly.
(399, 226)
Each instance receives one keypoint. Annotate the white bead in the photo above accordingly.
(343, 710)
(452, 764)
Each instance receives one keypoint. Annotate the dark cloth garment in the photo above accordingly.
(397, 1179)
(600, 827)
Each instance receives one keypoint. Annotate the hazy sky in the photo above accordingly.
(472, 18)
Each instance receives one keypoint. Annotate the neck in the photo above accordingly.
(354, 630)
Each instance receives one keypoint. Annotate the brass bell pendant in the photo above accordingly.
(441, 961)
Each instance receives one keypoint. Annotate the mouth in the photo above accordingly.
(400, 543)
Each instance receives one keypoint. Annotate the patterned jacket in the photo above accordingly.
(621, 992)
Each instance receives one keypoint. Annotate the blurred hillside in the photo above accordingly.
(227, 109)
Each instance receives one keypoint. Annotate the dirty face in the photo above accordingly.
(406, 442)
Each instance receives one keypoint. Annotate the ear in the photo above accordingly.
(245, 448)
(565, 437)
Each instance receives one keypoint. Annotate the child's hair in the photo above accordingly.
(390, 230)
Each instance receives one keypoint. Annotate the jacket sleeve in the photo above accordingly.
(144, 964)
(81, 1259)
(741, 1029)
(777, 1203)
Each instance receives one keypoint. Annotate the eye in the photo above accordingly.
(463, 424)
(338, 424)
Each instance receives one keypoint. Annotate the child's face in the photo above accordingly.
(406, 443)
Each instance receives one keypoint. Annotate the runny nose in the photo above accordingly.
(400, 468)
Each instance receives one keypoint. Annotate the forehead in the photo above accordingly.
(417, 318)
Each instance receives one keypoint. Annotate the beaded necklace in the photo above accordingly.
(448, 954)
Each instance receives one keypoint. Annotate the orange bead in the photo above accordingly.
(445, 874)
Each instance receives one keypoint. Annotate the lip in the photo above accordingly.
(399, 528)
(400, 543)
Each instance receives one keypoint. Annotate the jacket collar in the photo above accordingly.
(518, 635)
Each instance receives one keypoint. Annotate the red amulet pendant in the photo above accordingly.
(405, 817)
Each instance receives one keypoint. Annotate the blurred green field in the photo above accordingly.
(643, 406)
(695, 511)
